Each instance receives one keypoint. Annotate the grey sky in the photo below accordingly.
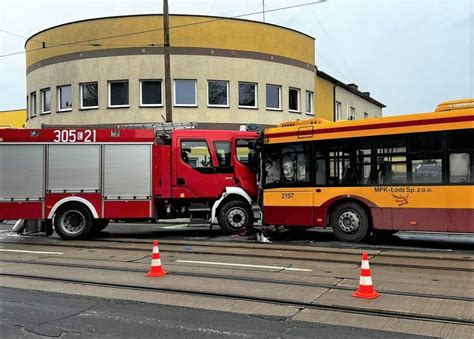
(410, 54)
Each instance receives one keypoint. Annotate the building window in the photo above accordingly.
(64, 98)
(218, 93)
(338, 111)
(309, 102)
(151, 93)
(45, 101)
(185, 93)
(33, 104)
(366, 115)
(294, 99)
(247, 95)
(89, 95)
(118, 93)
(351, 115)
(273, 99)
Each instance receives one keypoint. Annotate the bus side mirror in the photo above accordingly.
(253, 159)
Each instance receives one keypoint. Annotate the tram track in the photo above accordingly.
(274, 247)
(239, 278)
(301, 305)
(283, 254)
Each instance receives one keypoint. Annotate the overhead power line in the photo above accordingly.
(280, 20)
(338, 52)
(82, 42)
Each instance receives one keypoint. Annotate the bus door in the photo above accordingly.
(193, 172)
(288, 197)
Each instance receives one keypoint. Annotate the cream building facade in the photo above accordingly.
(339, 101)
(224, 73)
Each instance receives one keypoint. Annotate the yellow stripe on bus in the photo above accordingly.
(381, 196)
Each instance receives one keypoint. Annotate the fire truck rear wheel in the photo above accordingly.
(235, 216)
(349, 222)
(73, 221)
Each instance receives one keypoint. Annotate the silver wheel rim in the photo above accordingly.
(72, 222)
(349, 221)
(236, 218)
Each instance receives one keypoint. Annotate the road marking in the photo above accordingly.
(22, 251)
(245, 265)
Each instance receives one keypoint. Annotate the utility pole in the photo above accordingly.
(263, 10)
(166, 48)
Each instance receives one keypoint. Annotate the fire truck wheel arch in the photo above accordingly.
(73, 199)
(239, 194)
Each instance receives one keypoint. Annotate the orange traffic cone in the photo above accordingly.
(366, 288)
(155, 268)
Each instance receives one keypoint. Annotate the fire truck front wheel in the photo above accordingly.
(235, 216)
(73, 221)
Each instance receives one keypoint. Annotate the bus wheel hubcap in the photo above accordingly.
(237, 218)
(72, 222)
(349, 222)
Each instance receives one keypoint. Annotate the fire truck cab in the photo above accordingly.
(79, 179)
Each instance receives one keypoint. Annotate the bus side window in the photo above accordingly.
(460, 156)
(459, 167)
(320, 168)
(392, 162)
(427, 170)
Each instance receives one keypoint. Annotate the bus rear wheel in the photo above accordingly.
(235, 216)
(73, 221)
(349, 222)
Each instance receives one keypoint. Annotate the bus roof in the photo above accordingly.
(456, 114)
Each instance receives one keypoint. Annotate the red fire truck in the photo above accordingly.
(79, 179)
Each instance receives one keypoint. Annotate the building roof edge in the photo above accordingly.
(339, 83)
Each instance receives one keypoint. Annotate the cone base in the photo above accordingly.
(156, 274)
(370, 295)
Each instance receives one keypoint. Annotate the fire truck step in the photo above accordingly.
(199, 213)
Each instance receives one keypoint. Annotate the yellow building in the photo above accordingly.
(224, 72)
(13, 119)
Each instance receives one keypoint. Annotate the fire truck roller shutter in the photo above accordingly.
(127, 172)
(22, 172)
(73, 168)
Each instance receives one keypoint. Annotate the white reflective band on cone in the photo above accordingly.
(155, 262)
(156, 250)
(366, 281)
(365, 264)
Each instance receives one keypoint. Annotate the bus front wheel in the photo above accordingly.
(349, 222)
